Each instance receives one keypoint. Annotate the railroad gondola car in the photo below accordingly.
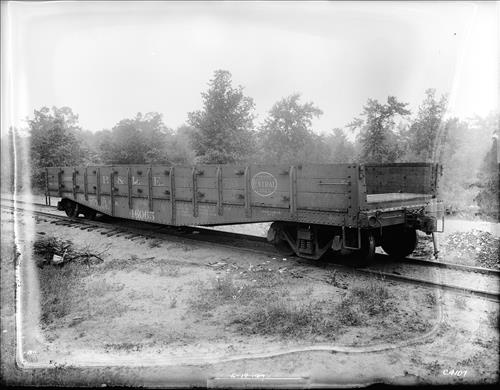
(312, 207)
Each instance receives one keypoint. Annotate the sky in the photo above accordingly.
(110, 60)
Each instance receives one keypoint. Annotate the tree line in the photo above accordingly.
(225, 131)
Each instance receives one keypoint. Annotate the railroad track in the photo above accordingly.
(140, 230)
(456, 278)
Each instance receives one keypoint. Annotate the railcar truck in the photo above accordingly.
(313, 207)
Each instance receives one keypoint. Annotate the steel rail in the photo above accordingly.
(30, 203)
(154, 230)
(458, 267)
(494, 296)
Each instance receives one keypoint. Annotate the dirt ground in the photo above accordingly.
(149, 311)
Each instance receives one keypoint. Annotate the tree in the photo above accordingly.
(223, 128)
(179, 148)
(141, 140)
(488, 196)
(488, 176)
(426, 130)
(15, 161)
(53, 141)
(89, 145)
(377, 134)
(286, 133)
(340, 149)
(465, 144)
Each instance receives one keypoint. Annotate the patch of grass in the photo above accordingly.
(139, 295)
(482, 342)
(257, 308)
(434, 367)
(165, 339)
(372, 297)
(146, 265)
(492, 319)
(127, 347)
(430, 299)
(173, 301)
(147, 335)
(347, 314)
(169, 271)
(332, 278)
(260, 303)
(416, 324)
(61, 291)
(267, 279)
(444, 327)
(272, 315)
(101, 287)
(277, 313)
(473, 360)
(156, 243)
(460, 302)
(363, 302)
(110, 309)
(220, 291)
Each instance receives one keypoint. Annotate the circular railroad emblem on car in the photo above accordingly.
(264, 184)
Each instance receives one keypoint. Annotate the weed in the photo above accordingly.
(416, 359)
(110, 309)
(169, 271)
(128, 347)
(347, 315)
(434, 367)
(60, 289)
(481, 342)
(173, 301)
(101, 287)
(220, 291)
(267, 279)
(146, 265)
(472, 360)
(443, 326)
(269, 315)
(164, 339)
(260, 309)
(372, 298)
(492, 319)
(139, 295)
(430, 299)
(155, 243)
(332, 278)
(460, 302)
(265, 307)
